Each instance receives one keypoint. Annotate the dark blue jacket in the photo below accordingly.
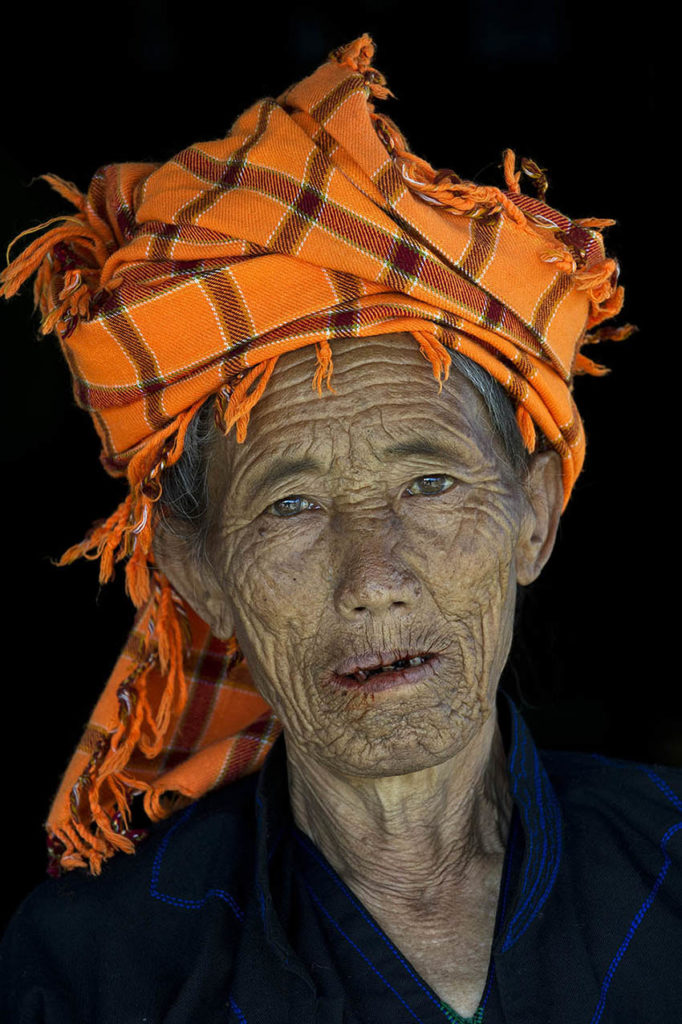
(228, 913)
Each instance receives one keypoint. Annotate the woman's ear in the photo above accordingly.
(545, 495)
(194, 581)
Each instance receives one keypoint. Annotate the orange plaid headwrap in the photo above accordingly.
(310, 220)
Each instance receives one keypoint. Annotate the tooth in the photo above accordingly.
(416, 661)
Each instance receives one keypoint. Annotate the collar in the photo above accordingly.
(533, 847)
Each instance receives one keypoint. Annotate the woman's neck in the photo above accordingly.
(402, 843)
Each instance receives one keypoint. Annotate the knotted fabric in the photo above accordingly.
(310, 220)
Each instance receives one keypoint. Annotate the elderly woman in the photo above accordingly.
(348, 822)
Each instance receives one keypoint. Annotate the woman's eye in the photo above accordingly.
(291, 506)
(426, 485)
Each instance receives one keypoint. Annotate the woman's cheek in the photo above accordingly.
(274, 575)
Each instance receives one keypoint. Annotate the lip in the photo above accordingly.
(372, 659)
(384, 680)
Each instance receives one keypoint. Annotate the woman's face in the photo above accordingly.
(353, 528)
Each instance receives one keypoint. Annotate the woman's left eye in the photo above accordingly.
(428, 485)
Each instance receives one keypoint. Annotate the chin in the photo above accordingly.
(407, 748)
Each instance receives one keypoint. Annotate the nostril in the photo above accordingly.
(394, 604)
(381, 588)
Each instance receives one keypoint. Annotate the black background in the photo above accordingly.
(576, 87)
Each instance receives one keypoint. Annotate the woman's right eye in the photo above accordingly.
(291, 506)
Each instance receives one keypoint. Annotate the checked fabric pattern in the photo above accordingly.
(299, 226)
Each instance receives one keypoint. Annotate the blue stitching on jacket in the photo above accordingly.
(177, 901)
(526, 803)
(664, 788)
(237, 1012)
(541, 865)
(555, 843)
(349, 895)
(376, 970)
(636, 921)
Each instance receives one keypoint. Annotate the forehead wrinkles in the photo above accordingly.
(383, 392)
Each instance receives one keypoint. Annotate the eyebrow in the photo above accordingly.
(283, 469)
(424, 446)
(287, 468)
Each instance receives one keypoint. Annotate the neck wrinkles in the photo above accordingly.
(402, 841)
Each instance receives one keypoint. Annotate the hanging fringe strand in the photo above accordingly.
(67, 260)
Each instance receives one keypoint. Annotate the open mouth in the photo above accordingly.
(396, 666)
(374, 672)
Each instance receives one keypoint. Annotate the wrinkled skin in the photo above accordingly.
(371, 561)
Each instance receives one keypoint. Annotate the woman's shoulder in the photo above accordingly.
(182, 845)
(206, 845)
(586, 777)
(632, 809)
(79, 943)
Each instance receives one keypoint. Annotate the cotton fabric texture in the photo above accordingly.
(310, 220)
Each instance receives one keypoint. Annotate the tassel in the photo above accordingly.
(607, 309)
(358, 56)
(102, 542)
(129, 530)
(594, 222)
(439, 357)
(325, 366)
(447, 189)
(562, 257)
(527, 427)
(585, 365)
(68, 260)
(609, 334)
(538, 175)
(599, 280)
(511, 178)
(237, 408)
(529, 167)
(75, 850)
(171, 646)
(106, 778)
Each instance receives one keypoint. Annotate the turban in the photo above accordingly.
(171, 283)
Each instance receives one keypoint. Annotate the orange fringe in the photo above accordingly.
(325, 366)
(436, 353)
(609, 334)
(139, 728)
(537, 174)
(129, 530)
(90, 238)
(235, 406)
(466, 198)
(358, 56)
(527, 427)
(583, 364)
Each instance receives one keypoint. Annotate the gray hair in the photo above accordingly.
(184, 504)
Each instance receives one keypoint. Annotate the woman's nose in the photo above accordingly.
(373, 579)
